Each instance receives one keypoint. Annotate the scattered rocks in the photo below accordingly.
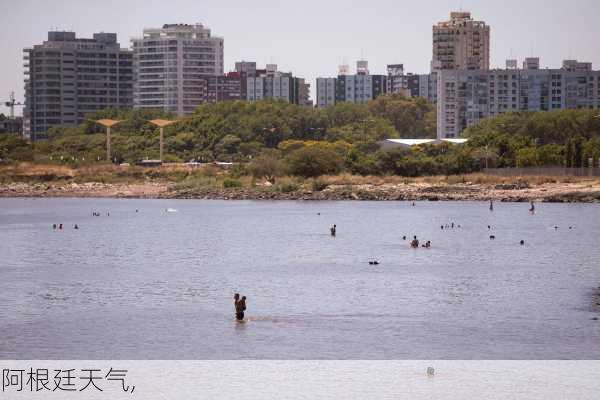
(516, 192)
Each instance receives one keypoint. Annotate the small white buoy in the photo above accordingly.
(430, 371)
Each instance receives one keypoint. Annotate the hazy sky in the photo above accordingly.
(311, 38)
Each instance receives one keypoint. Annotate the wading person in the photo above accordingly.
(414, 243)
(240, 306)
(333, 230)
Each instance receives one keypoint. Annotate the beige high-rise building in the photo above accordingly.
(461, 44)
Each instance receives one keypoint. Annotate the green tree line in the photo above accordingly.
(272, 138)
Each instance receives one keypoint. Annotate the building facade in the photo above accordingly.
(269, 83)
(326, 88)
(359, 88)
(68, 77)
(467, 97)
(225, 87)
(461, 44)
(411, 85)
(172, 65)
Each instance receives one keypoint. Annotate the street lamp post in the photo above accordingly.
(108, 124)
(162, 123)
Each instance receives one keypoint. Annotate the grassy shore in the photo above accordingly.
(210, 182)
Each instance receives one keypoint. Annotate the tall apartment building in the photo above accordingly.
(461, 43)
(270, 83)
(359, 88)
(171, 65)
(467, 97)
(68, 77)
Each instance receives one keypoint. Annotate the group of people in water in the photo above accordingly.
(415, 243)
(60, 226)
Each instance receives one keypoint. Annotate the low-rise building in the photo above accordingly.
(359, 88)
(273, 84)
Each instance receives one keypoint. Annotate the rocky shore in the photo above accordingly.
(549, 192)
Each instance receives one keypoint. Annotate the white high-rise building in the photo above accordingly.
(171, 65)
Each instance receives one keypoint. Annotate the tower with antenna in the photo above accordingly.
(11, 104)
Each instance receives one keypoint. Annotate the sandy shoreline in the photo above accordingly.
(584, 192)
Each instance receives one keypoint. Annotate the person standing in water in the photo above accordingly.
(491, 205)
(414, 243)
(240, 306)
(532, 208)
(333, 230)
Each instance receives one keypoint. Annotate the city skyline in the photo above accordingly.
(343, 34)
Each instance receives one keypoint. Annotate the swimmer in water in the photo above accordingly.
(54, 226)
(60, 226)
(75, 227)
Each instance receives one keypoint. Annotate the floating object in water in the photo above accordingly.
(430, 371)
(171, 210)
(522, 242)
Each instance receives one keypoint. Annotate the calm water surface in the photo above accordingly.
(158, 285)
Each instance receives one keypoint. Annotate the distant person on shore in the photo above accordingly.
(333, 230)
(414, 243)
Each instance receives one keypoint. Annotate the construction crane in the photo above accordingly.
(11, 104)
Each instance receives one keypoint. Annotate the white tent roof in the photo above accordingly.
(389, 143)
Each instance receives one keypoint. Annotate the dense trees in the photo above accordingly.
(566, 137)
(276, 138)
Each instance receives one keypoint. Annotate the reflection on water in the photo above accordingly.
(156, 285)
